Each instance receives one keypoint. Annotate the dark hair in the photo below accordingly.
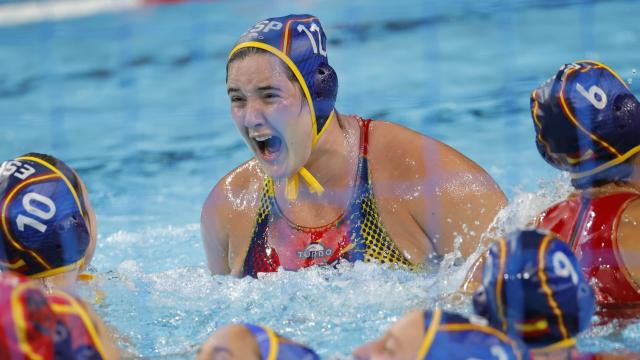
(71, 175)
(248, 51)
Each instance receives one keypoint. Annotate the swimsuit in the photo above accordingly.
(357, 234)
(590, 226)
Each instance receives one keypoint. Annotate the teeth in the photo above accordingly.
(262, 138)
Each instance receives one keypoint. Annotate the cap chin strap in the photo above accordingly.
(293, 182)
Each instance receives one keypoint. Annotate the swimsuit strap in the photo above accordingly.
(364, 134)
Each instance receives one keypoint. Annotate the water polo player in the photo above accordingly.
(54, 326)
(441, 335)
(533, 290)
(252, 342)
(48, 225)
(324, 186)
(587, 122)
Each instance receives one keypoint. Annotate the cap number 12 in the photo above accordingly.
(317, 47)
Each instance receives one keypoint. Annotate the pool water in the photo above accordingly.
(136, 102)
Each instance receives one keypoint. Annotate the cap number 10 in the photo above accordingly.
(36, 211)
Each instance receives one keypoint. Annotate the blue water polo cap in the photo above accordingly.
(300, 42)
(451, 336)
(274, 347)
(532, 288)
(43, 228)
(587, 122)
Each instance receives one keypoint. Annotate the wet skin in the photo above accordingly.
(229, 343)
(401, 341)
(427, 193)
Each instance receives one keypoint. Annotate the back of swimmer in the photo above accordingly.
(54, 326)
(587, 122)
(48, 227)
(252, 342)
(441, 335)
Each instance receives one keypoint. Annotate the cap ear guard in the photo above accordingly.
(325, 93)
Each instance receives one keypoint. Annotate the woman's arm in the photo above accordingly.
(214, 234)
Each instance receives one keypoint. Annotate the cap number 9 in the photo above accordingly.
(562, 267)
(27, 203)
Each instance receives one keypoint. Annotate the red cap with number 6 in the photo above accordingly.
(587, 122)
(43, 230)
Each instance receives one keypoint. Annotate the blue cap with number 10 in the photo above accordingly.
(533, 289)
(42, 221)
(587, 122)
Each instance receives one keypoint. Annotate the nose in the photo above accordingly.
(253, 115)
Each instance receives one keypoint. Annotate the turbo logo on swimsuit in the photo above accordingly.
(315, 251)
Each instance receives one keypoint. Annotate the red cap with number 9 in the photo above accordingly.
(43, 231)
(587, 122)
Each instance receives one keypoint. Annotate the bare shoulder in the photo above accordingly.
(227, 217)
(236, 192)
(629, 224)
(447, 194)
(628, 232)
(405, 152)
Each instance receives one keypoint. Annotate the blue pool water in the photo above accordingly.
(136, 102)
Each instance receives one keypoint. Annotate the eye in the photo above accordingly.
(236, 98)
(271, 96)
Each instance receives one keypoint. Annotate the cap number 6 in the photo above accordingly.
(27, 200)
(591, 96)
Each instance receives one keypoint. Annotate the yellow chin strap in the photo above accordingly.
(293, 182)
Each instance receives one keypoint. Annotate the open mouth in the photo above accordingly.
(269, 146)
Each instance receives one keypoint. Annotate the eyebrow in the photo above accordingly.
(269, 87)
(261, 88)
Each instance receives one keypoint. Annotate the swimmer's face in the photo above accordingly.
(401, 341)
(230, 343)
(271, 113)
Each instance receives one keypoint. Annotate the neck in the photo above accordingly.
(64, 281)
(635, 173)
(333, 160)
